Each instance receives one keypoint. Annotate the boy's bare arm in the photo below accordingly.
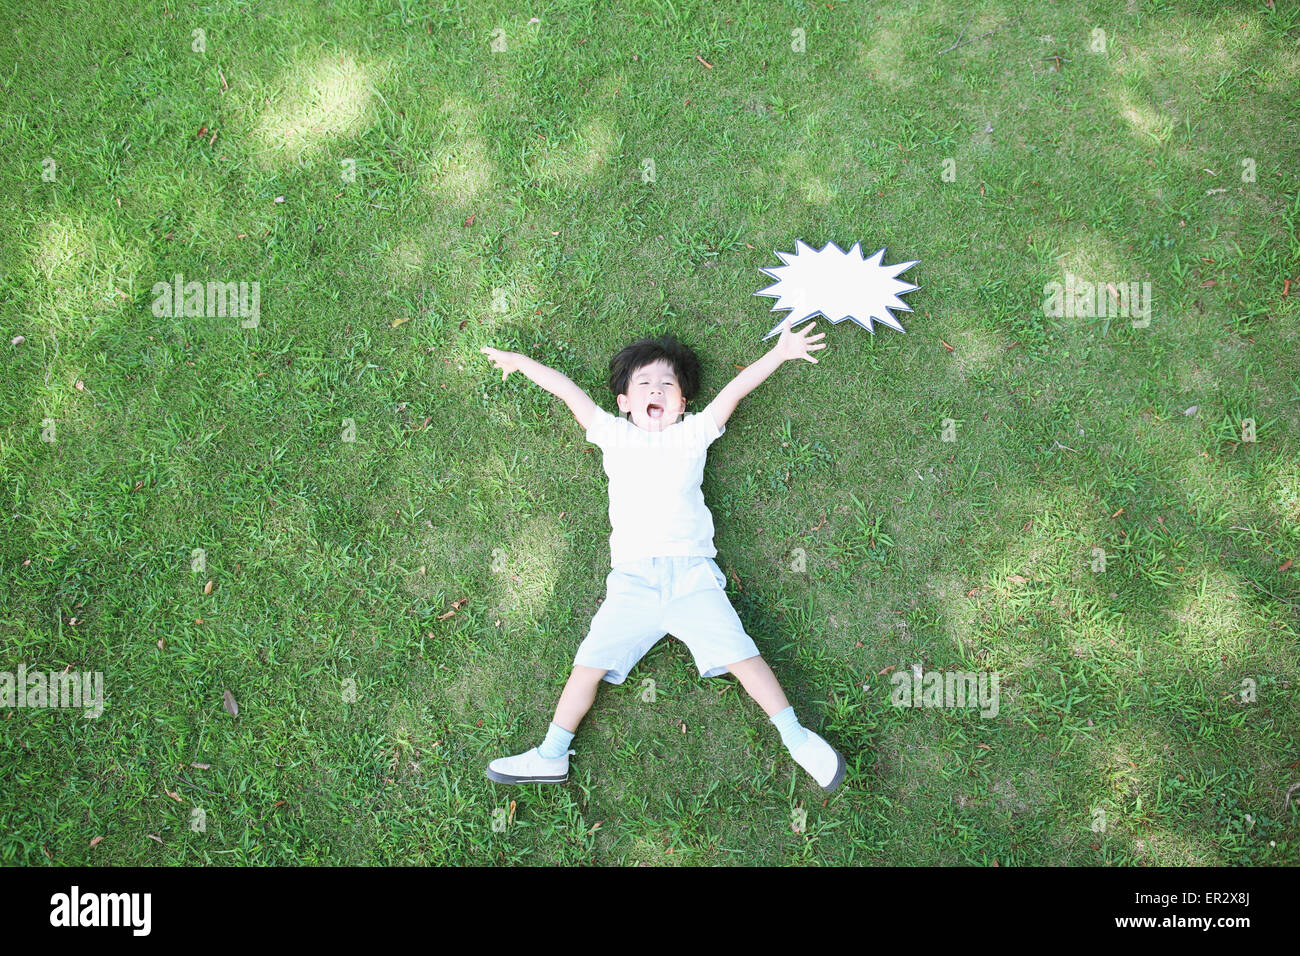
(788, 346)
(725, 402)
(557, 383)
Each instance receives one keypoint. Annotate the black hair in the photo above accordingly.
(645, 351)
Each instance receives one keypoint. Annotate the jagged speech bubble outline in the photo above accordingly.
(837, 284)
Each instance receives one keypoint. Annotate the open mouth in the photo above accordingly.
(654, 411)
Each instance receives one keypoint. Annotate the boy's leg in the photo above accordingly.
(579, 694)
(760, 683)
(703, 618)
(808, 749)
(542, 763)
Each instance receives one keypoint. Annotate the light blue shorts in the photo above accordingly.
(650, 598)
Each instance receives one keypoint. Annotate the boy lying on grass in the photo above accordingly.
(663, 579)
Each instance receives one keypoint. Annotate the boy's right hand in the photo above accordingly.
(506, 361)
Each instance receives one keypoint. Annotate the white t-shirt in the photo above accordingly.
(656, 507)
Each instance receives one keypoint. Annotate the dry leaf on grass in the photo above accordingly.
(455, 606)
(232, 708)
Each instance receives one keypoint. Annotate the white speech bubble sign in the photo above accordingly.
(837, 284)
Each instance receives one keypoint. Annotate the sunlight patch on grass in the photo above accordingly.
(461, 174)
(61, 253)
(322, 100)
(1030, 796)
(529, 568)
(960, 613)
(914, 767)
(643, 852)
(575, 163)
(1127, 766)
(1213, 493)
(82, 271)
(405, 255)
(1161, 846)
(882, 58)
(1159, 52)
(1284, 498)
(756, 180)
(1216, 614)
(1091, 256)
(799, 173)
(1193, 376)
(817, 193)
(1144, 120)
(1032, 552)
(975, 349)
(518, 292)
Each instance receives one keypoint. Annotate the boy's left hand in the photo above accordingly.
(795, 345)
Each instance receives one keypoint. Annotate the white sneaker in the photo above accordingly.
(821, 760)
(530, 767)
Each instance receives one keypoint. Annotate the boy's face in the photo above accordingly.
(654, 397)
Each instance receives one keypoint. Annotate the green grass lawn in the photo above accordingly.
(388, 556)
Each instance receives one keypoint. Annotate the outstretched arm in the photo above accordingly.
(788, 346)
(557, 383)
